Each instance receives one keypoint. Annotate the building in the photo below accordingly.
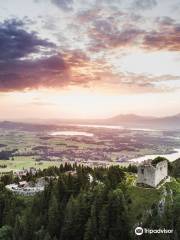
(20, 173)
(152, 172)
(25, 188)
(24, 172)
(26, 191)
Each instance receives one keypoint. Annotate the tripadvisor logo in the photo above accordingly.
(139, 231)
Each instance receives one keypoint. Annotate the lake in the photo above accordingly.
(115, 127)
(71, 133)
(171, 156)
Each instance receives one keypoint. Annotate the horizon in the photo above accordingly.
(34, 120)
(94, 60)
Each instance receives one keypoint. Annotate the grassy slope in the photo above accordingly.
(142, 199)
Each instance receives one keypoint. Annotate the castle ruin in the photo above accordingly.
(152, 173)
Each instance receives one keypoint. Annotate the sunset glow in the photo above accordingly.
(89, 59)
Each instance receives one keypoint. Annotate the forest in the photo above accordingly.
(92, 204)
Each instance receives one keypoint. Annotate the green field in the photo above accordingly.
(25, 162)
(73, 147)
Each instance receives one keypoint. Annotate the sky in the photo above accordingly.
(89, 59)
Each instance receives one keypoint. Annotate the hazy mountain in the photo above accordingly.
(131, 120)
(126, 120)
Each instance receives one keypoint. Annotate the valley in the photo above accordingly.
(41, 146)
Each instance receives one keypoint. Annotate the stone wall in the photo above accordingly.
(152, 175)
(146, 175)
(161, 171)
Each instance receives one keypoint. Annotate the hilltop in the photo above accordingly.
(132, 120)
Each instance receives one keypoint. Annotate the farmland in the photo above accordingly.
(37, 146)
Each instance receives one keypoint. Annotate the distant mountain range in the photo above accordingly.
(127, 120)
(131, 120)
(135, 121)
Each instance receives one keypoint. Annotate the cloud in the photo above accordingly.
(60, 68)
(105, 35)
(166, 37)
(88, 15)
(70, 68)
(20, 70)
(144, 4)
(16, 42)
(65, 5)
(165, 21)
(73, 68)
(28, 74)
(50, 72)
(109, 29)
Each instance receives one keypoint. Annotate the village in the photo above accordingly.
(28, 152)
(150, 173)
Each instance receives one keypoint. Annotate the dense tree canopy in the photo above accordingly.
(75, 207)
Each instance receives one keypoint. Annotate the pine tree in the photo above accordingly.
(17, 229)
(91, 232)
(67, 230)
(47, 237)
(6, 233)
(53, 217)
(118, 220)
(104, 222)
